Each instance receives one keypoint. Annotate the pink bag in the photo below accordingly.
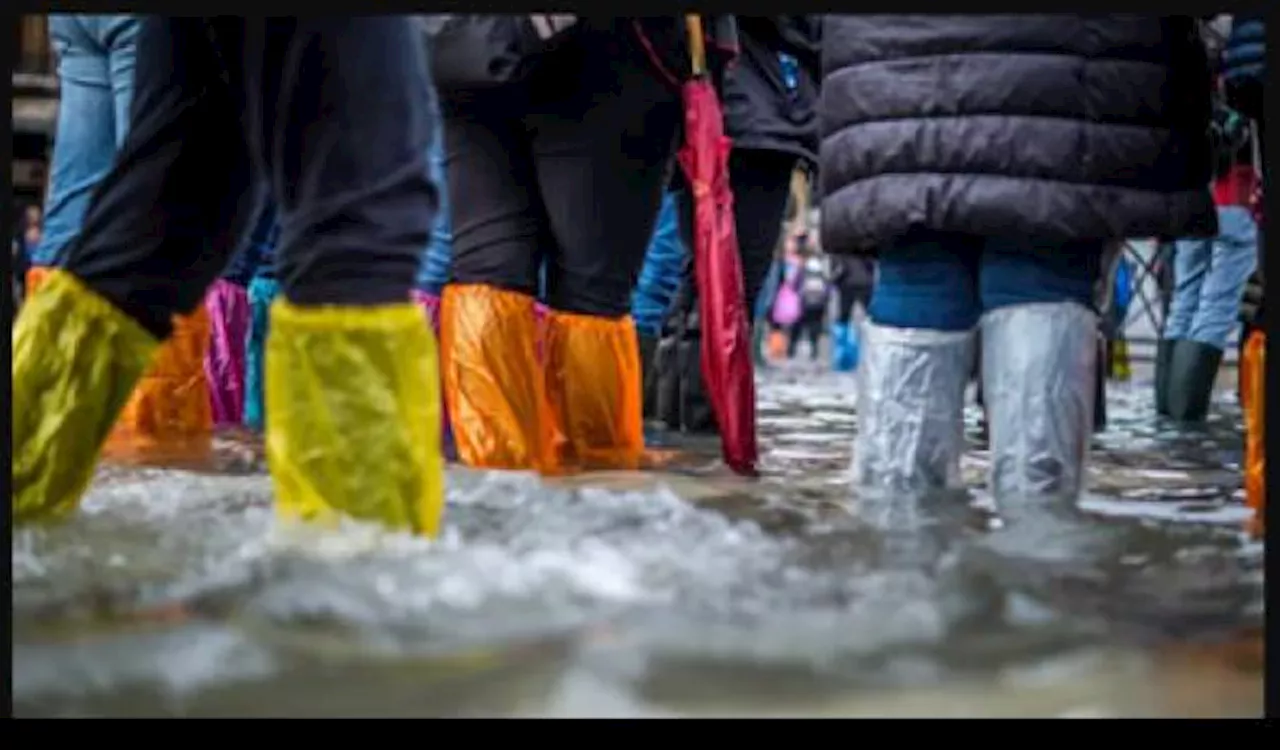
(786, 305)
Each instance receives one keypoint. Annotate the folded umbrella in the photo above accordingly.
(726, 355)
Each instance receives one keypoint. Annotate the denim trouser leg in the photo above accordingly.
(946, 284)
(1210, 276)
(95, 66)
(930, 282)
(1190, 266)
(1011, 272)
(434, 271)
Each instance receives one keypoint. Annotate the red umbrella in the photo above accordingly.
(726, 358)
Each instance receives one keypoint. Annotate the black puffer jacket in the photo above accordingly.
(1051, 127)
(761, 112)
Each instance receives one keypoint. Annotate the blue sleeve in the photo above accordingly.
(661, 275)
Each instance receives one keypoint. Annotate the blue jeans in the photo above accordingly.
(946, 282)
(1209, 279)
(95, 65)
(434, 271)
(661, 274)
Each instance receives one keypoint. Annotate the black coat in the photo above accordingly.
(1051, 127)
(760, 111)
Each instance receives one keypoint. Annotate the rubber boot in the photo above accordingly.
(1193, 371)
(354, 428)
(696, 415)
(648, 348)
(594, 391)
(1164, 352)
(666, 382)
(494, 384)
(76, 359)
(911, 388)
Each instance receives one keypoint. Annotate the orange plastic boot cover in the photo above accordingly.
(35, 277)
(169, 410)
(594, 385)
(493, 384)
(1253, 380)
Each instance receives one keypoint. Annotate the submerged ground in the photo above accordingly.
(682, 592)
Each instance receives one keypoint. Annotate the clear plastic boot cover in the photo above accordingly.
(1038, 366)
(911, 386)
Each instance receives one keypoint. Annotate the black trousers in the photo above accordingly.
(565, 168)
(761, 184)
(810, 325)
(847, 295)
(331, 113)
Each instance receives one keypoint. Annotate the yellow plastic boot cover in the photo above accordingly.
(492, 379)
(353, 415)
(168, 417)
(594, 386)
(76, 359)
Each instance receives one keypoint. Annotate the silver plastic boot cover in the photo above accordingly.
(911, 386)
(1038, 365)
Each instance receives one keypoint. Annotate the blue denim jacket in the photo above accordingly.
(95, 66)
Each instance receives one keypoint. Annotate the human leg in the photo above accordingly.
(915, 363)
(354, 423)
(609, 145)
(1039, 357)
(1196, 358)
(494, 386)
(152, 242)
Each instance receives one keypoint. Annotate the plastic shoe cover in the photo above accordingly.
(430, 304)
(228, 306)
(355, 415)
(911, 386)
(844, 336)
(36, 276)
(262, 292)
(1038, 369)
(493, 383)
(168, 417)
(541, 314)
(594, 386)
(1253, 399)
(76, 359)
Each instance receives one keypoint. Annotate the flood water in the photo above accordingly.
(682, 592)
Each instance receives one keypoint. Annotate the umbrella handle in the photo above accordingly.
(800, 194)
(697, 47)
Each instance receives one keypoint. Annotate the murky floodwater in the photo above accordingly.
(685, 592)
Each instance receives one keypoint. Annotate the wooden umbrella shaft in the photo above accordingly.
(697, 45)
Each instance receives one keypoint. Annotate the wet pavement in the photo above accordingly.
(685, 592)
